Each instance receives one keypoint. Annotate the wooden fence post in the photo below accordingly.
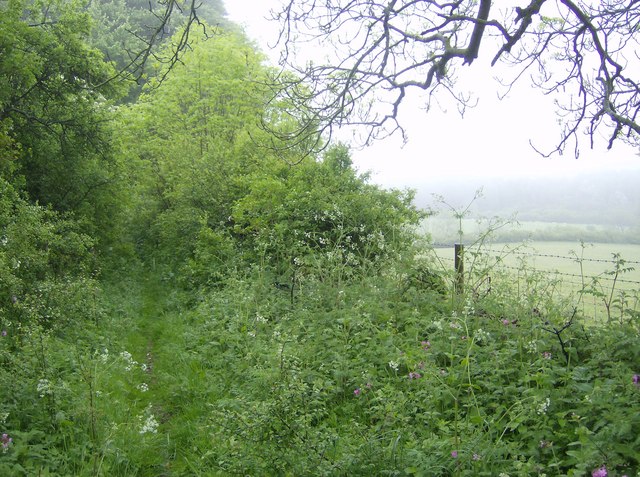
(459, 264)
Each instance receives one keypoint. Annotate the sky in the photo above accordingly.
(492, 140)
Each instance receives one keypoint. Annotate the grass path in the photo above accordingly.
(152, 330)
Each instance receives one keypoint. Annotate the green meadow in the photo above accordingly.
(586, 272)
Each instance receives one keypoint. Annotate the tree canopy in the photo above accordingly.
(583, 53)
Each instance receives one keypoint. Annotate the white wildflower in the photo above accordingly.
(532, 346)
(481, 335)
(103, 357)
(544, 406)
(261, 319)
(143, 387)
(44, 388)
(394, 365)
(149, 423)
(130, 363)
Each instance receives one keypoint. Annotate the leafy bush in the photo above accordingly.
(325, 220)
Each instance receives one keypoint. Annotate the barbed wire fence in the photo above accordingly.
(591, 287)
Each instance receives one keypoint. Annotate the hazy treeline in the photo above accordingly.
(605, 198)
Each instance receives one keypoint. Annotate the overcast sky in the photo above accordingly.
(491, 140)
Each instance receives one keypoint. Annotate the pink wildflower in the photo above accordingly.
(454, 454)
(356, 392)
(506, 322)
(601, 472)
(6, 442)
(413, 375)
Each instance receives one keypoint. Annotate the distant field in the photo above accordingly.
(445, 230)
(559, 260)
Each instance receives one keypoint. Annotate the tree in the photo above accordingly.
(131, 32)
(583, 52)
(189, 140)
(55, 109)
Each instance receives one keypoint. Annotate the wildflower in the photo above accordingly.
(425, 345)
(394, 365)
(601, 472)
(413, 375)
(104, 356)
(476, 457)
(468, 309)
(532, 347)
(150, 424)
(143, 387)
(546, 355)
(356, 392)
(636, 380)
(481, 335)
(368, 385)
(4, 332)
(144, 367)
(130, 363)
(544, 406)
(506, 322)
(6, 442)
(44, 388)
(454, 454)
(260, 318)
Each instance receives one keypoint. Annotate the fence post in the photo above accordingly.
(459, 265)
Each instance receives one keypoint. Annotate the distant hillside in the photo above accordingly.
(599, 199)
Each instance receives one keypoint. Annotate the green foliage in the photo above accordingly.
(131, 32)
(361, 379)
(45, 265)
(316, 218)
(189, 141)
(54, 106)
(311, 334)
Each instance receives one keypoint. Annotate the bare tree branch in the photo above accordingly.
(581, 52)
